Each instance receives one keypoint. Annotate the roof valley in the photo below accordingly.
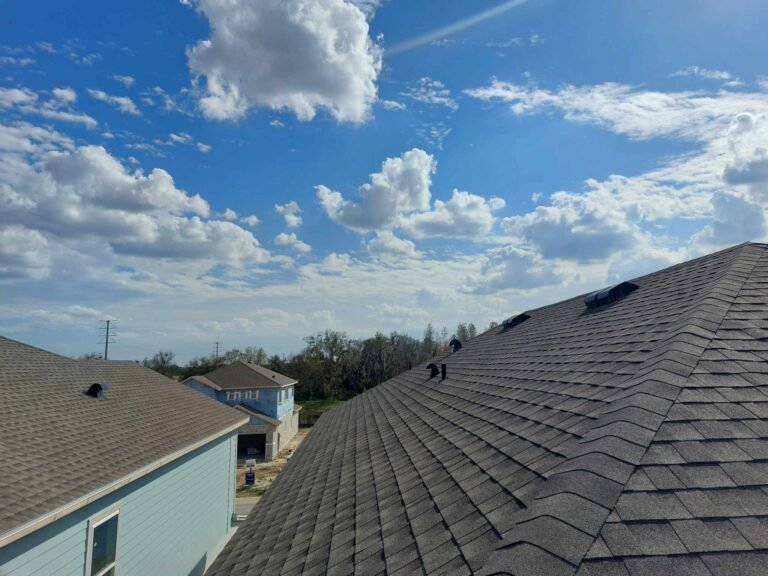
(618, 440)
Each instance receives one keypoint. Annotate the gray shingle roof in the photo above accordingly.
(57, 444)
(243, 375)
(629, 440)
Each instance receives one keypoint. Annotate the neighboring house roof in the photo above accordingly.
(60, 448)
(256, 414)
(242, 376)
(627, 440)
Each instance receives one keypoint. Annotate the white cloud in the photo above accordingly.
(13, 61)
(509, 267)
(204, 148)
(291, 240)
(59, 107)
(385, 244)
(706, 73)
(122, 103)
(250, 220)
(399, 197)
(56, 195)
(402, 186)
(125, 80)
(286, 55)
(582, 227)
(275, 123)
(735, 219)
(392, 105)
(290, 212)
(23, 253)
(432, 92)
(180, 138)
(229, 214)
(628, 110)
(66, 95)
(465, 215)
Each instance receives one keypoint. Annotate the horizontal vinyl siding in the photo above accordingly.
(169, 521)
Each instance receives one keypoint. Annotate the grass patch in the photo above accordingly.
(247, 491)
(317, 407)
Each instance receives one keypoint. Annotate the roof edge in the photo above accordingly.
(35, 524)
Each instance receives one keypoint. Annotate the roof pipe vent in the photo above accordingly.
(433, 369)
(515, 320)
(97, 391)
(444, 370)
(608, 295)
(455, 345)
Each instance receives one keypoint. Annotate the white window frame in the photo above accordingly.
(236, 395)
(93, 523)
(255, 394)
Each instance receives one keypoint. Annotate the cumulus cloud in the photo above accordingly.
(509, 267)
(286, 55)
(58, 107)
(465, 215)
(250, 220)
(402, 186)
(54, 193)
(23, 253)
(122, 103)
(290, 212)
(385, 244)
(292, 241)
(735, 219)
(399, 197)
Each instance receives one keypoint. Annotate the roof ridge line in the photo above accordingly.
(597, 448)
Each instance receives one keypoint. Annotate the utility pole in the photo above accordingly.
(106, 332)
(216, 358)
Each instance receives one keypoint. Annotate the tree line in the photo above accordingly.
(331, 365)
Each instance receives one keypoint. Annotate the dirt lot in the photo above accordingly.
(267, 471)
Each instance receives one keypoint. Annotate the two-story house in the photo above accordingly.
(265, 396)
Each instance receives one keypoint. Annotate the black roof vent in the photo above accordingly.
(515, 320)
(433, 369)
(97, 391)
(455, 345)
(610, 294)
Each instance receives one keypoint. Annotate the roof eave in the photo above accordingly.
(14, 534)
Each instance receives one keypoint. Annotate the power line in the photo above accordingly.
(108, 334)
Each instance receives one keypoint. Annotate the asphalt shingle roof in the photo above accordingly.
(242, 375)
(628, 440)
(57, 444)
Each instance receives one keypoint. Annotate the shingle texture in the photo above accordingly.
(57, 444)
(242, 375)
(627, 440)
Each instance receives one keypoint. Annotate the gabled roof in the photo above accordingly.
(627, 440)
(60, 448)
(243, 376)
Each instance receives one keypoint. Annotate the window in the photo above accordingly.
(102, 545)
(247, 395)
(229, 395)
(236, 395)
(255, 394)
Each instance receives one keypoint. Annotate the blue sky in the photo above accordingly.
(253, 172)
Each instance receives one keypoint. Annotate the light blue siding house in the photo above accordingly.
(266, 397)
(135, 476)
